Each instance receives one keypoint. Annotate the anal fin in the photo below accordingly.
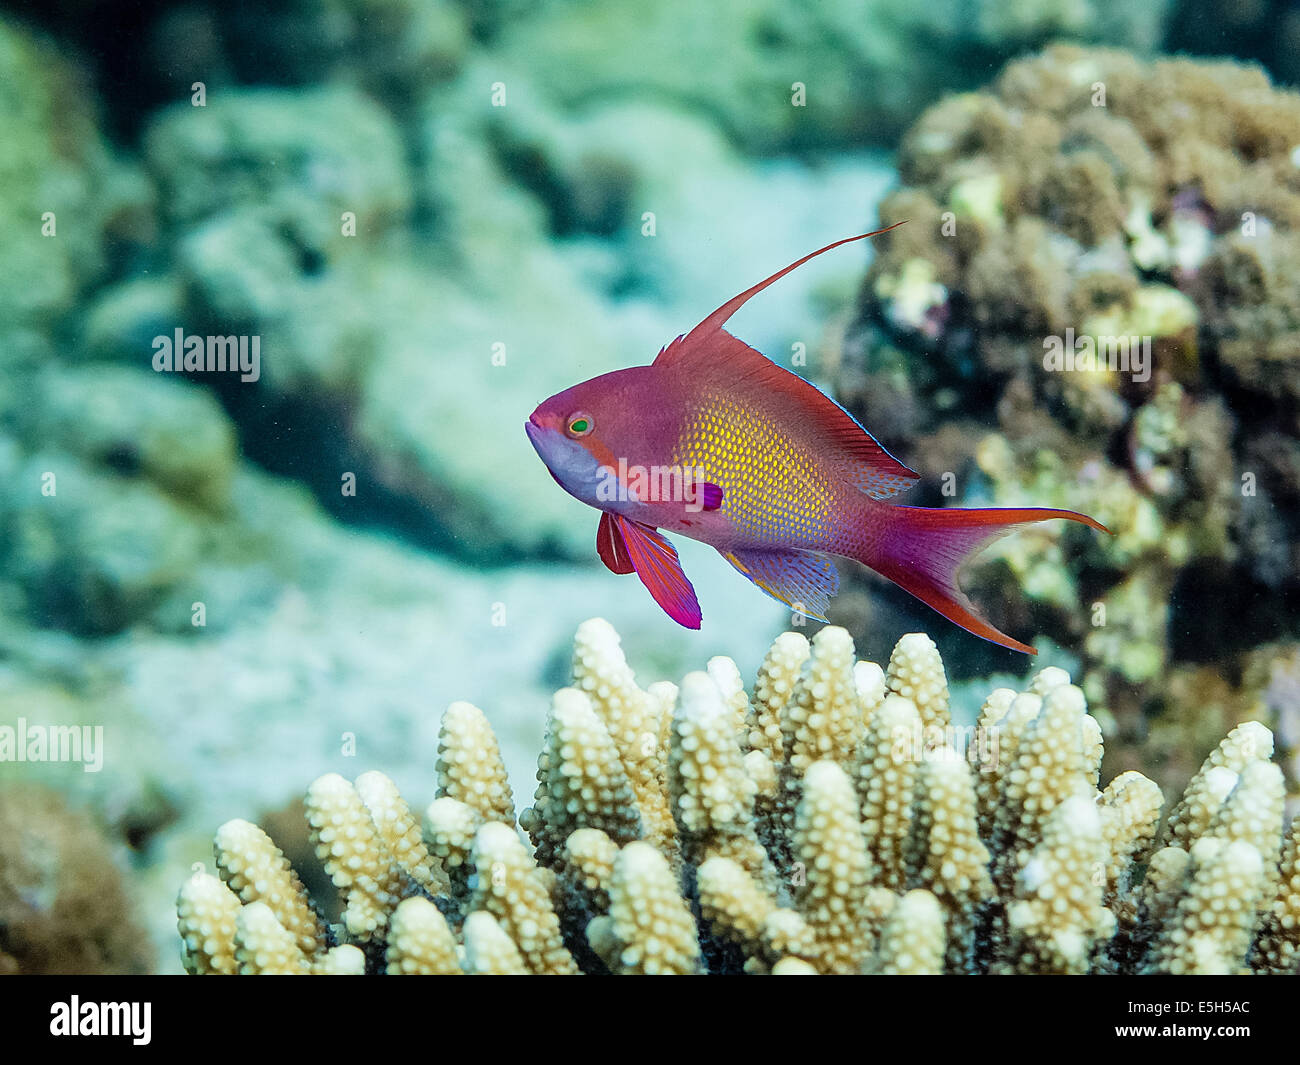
(804, 580)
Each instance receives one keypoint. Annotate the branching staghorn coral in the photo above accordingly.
(826, 823)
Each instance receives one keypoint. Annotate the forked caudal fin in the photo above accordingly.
(923, 549)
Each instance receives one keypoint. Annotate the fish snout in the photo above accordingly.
(543, 428)
(553, 448)
(537, 436)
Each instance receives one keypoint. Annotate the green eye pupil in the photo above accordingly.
(579, 426)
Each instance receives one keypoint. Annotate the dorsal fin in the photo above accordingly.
(710, 353)
(683, 346)
(732, 369)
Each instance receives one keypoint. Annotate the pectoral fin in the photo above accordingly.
(655, 562)
(804, 580)
(710, 496)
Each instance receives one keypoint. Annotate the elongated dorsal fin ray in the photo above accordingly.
(710, 353)
(683, 346)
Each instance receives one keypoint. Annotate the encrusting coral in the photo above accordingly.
(831, 822)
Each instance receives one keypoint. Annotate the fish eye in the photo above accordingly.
(580, 424)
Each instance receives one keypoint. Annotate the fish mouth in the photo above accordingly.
(538, 437)
(541, 439)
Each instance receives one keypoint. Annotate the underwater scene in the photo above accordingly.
(623, 487)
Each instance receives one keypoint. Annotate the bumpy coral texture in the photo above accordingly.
(827, 823)
(1090, 202)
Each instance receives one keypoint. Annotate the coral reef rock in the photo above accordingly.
(1094, 305)
(831, 820)
(64, 906)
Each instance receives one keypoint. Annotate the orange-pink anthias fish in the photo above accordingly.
(718, 443)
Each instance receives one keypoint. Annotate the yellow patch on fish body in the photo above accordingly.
(773, 490)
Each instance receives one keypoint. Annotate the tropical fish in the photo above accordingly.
(716, 442)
